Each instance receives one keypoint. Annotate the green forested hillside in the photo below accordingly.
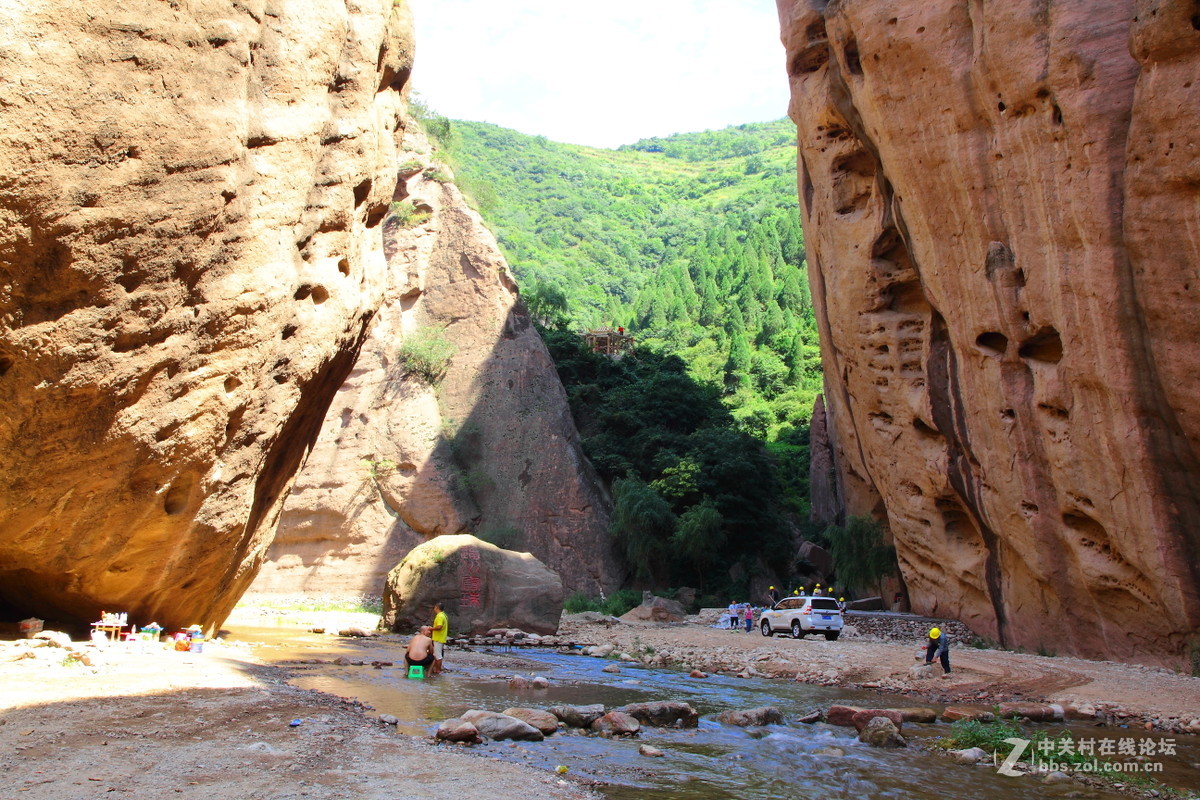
(692, 243)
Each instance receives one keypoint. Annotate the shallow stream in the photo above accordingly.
(714, 761)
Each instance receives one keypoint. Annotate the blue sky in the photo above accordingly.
(601, 73)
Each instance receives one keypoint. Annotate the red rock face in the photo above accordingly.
(190, 252)
(1000, 210)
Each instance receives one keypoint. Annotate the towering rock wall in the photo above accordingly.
(1000, 206)
(191, 199)
(487, 448)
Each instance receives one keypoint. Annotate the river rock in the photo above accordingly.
(544, 721)
(601, 651)
(612, 669)
(663, 713)
(1034, 712)
(861, 719)
(650, 752)
(616, 723)
(881, 732)
(697, 674)
(508, 588)
(842, 715)
(978, 713)
(458, 730)
(578, 716)
(1056, 777)
(766, 715)
(971, 755)
(502, 726)
(924, 715)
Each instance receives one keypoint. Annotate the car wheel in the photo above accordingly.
(766, 628)
(832, 635)
(797, 632)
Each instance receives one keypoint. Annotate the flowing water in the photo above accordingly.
(713, 761)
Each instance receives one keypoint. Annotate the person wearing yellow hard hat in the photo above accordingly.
(773, 595)
(938, 645)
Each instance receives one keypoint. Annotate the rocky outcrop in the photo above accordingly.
(998, 209)
(488, 447)
(190, 253)
(480, 586)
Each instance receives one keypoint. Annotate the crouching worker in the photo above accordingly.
(420, 650)
(938, 645)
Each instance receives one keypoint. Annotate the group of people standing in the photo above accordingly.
(427, 647)
(737, 613)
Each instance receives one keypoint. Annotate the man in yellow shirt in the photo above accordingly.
(441, 629)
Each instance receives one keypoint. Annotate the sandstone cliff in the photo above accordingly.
(191, 199)
(1000, 210)
(487, 448)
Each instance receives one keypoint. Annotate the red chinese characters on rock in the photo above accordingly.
(470, 578)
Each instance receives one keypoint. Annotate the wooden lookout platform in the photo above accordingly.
(609, 341)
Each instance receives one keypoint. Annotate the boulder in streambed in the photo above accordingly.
(881, 732)
(502, 726)
(1034, 712)
(751, 717)
(863, 718)
(968, 712)
(663, 714)
(616, 723)
(544, 721)
(578, 716)
(458, 730)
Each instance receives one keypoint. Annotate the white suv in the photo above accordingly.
(801, 615)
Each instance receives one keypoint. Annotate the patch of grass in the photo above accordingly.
(407, 215)
(620, 602)
(426, 353)
(579, 603)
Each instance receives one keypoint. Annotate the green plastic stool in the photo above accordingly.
(416, 671)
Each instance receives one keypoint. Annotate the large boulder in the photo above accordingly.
(656, 609)
(481, 586)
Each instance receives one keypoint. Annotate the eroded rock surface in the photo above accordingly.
(489, 447)
(999, 208)
(190, 252)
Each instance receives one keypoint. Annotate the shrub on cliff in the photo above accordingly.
(427, 353)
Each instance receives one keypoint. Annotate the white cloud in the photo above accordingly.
(601, 73)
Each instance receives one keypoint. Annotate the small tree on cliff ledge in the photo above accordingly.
(860, 557)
